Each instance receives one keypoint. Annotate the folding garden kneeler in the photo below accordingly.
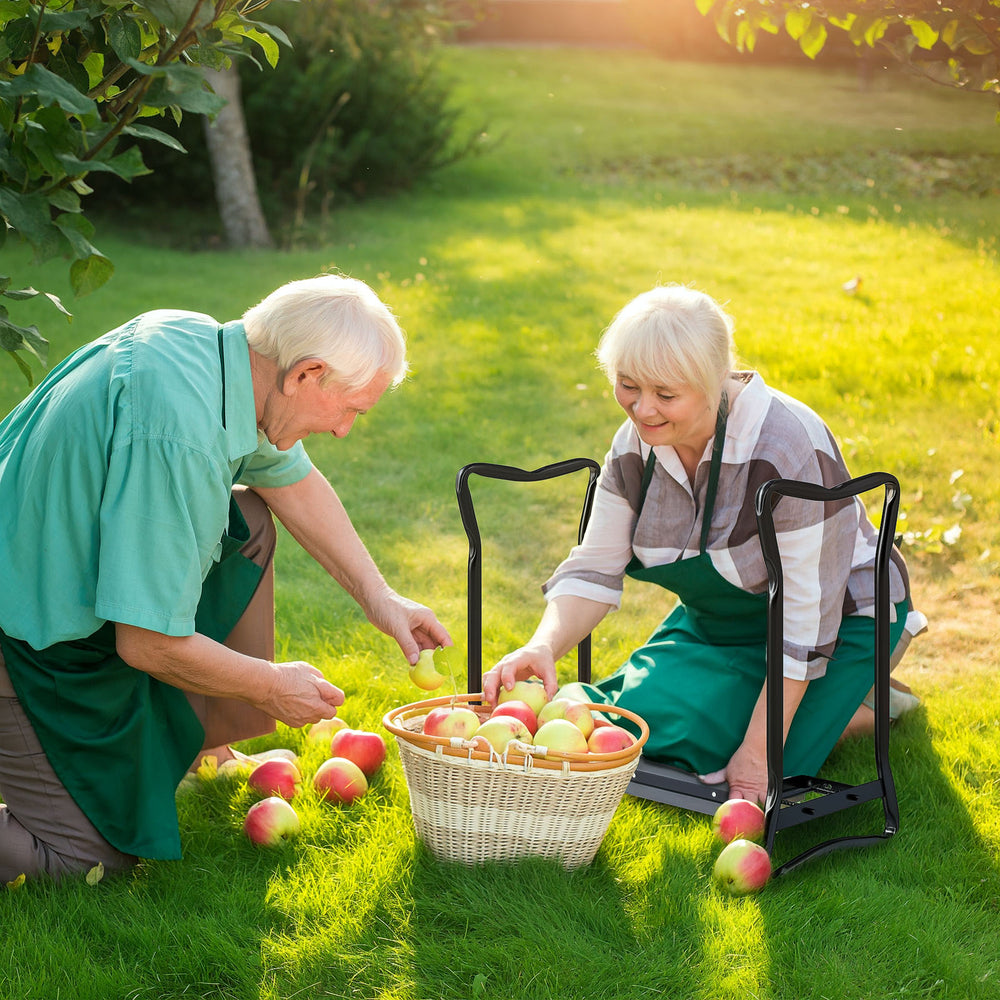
(791, 800)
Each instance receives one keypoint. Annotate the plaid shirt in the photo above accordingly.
(827, 549)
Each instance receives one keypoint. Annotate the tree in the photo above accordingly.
(78, 84)
(955, 42)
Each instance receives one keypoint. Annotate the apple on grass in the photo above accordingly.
(738, 818)
(742, 867)
(531, 691)
(366, 749)
(499, 730)
(561, 735)
(277, 776)
(271, 821)
(609, 739)
(519, 710)
(340, 780)
(572, 711)
(447, 722)
(324, 729)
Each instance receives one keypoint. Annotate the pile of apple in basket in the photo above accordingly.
(534, 776)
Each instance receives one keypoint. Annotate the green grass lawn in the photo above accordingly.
(602, 174)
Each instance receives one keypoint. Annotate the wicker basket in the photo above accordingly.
(470, 805)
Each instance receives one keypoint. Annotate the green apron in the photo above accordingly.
(119, 739)
(697, 678)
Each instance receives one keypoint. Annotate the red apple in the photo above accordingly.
(742, 867)
(325, 728)
(367, 750)
(573, 711)
(561, 735)
(448, 722)
(499, 730)
(601, 720)
(519, 710)
(738, 818)
(338, 779)
(271, 821)
(277, 776)
(609, 739)
(531, 691)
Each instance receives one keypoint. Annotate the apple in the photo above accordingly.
(340, 780)
(601, 720)
(324, 729)
(424, 674)
(235, 768)
(742, 867)
(738, 818)
(520, 710)
(573, 711)
(609, 739)
(277, 776)
(499, 730)
(271, 821)
(447, 722)
(561, 735)
(531, 691)
(366, 749)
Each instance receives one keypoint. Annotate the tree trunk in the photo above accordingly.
(232, 165)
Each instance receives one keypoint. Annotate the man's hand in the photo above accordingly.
(300, 695)
(412, 625)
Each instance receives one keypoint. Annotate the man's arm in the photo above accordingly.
(312, 512)
(296, 693)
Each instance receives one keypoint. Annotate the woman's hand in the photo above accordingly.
(528, 661)
(746, 773)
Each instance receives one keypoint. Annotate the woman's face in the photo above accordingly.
(667, 415)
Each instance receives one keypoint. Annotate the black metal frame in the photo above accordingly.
(790, 801)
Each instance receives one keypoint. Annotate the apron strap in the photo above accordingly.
(713, 472)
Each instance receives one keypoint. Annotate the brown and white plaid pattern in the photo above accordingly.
(827, 550)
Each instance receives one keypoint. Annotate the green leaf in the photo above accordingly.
(153, 134)
(797, 22)
(183, 87)
(265, 41)
(30, 293)
(29, 215)
(37, 81)
(89, 274)
(175, 14)
(126, 165)
(925, 35)
(813, 40)
(124, 36)
(22, 338)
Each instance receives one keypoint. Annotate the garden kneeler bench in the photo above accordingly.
(791, 800)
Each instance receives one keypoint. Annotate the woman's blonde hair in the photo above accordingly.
(671, 335)
(337, 319)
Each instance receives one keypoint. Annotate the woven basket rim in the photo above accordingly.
(557, 762)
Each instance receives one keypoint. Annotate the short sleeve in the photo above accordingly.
(162, 517)
(268, 467)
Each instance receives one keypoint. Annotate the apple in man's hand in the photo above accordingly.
(324, 729)
(424, 672)
(742, 867)
(366, 749)
(278, 776)
(338, 779)
(561, 735)
(271, 821)
(531, 691)
(738, 818)
(447, 722)
(519, 710)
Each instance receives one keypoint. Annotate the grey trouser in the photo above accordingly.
(42, 830)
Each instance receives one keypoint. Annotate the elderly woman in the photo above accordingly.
(136, 615)
(675, 506)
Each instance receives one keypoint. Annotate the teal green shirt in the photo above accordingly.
(115, 478)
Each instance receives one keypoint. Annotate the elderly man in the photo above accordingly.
(136, 613)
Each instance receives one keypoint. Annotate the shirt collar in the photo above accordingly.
(240, 410)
